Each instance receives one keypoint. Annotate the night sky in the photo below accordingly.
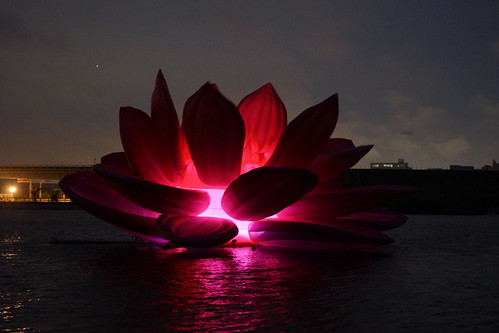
(418, 79)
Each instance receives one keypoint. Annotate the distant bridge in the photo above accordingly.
(43, 172)
(35, 183)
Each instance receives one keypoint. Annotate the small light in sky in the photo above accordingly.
(96, 66)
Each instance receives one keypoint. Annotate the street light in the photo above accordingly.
(12, 190)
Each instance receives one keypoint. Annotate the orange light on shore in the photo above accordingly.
(12, 190)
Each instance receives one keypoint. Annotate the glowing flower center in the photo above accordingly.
(215, 210)
(215, 207)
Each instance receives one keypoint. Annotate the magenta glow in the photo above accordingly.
(232, 174)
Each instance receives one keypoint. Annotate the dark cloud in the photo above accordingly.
(428, 67)
(18, 35)
(12, 30)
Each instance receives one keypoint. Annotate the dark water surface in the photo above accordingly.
(442, 275)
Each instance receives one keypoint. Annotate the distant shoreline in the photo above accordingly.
(407, 208)
(38, 206)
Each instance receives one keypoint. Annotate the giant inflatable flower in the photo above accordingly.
(232, 174)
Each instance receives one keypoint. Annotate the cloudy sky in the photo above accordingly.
(418, 79)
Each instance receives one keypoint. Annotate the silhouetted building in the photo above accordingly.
(401, 164)
(461, 167)
(493, 167)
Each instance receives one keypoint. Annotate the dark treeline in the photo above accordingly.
(438, 191)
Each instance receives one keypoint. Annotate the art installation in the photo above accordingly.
(235, 175)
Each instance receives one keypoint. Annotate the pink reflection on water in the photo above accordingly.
(224, 290)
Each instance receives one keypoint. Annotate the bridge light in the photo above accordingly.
(12, 190)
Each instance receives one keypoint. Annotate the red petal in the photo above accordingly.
(329, 185)
(263, 192)
(166, 131)
(306, 135)
(376, 219)
(308, 235)
(214, 131)
(328, 205)
(154, 196)
(196, 231)
(336, 159)
(96, 195)
(117, 160)
(338, 144)
(264, 117)
(140, 146)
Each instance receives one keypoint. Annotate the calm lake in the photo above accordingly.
(441, 275)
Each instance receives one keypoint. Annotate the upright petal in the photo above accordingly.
(166, 129)
(140, 147)
(117, 160)
(95, 194)
(263, 192)
(197, 231)
(306, 135)
(342, 202)
(338, 144)
(264, 117)
(214, 131)
(337, 157)
(154, 196)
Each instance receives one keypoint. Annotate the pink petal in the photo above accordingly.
(191, 178)
(336, 144)
(264, 117)
(154, 196)
(263, 192)
(96, 195)
(140, 145)
(377, 219)
(314, 236)
(329, 185)
(306, 135)
(166, 131)
(336, 159)
(337, 203)
(117, 160)
(196, 231)
(214, 131)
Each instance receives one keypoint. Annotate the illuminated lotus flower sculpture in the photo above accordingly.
(235, 174)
